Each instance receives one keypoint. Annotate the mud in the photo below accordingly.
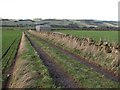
(93, 65)
(60, 77)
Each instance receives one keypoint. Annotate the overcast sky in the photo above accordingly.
(59, 9)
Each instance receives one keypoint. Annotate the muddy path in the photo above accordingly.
(95, 67)
(59, 75)
(9, 72)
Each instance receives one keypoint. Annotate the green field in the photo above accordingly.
(111, 36)
(10, 40)
(81, 73)
(40, 76)
(8, 37)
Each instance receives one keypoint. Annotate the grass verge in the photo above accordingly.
(81, 73)
(29, 70)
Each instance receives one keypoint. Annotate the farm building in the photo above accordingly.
(43, 28)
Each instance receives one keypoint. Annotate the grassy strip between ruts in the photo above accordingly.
(100, 58)
(33, 66)
(81, 73)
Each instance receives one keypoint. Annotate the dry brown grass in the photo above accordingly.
(22, 76)
(104, 53)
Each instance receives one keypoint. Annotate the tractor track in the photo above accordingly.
(60, 76)
(92, 65)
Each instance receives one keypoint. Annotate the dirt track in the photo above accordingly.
(60, 77)
(83, 61)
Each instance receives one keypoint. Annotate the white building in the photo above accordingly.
(43, 28)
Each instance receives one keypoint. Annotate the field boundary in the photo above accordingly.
(98, 69)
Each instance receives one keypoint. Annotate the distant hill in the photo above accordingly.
(60, 22)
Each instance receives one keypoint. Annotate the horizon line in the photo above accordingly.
(54, 18)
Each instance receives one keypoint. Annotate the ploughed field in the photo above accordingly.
(42, 62)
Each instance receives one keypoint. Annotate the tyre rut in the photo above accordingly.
(98, 69)
(59, 75)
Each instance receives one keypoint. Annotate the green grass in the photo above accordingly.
(8, 58)
(36, 65)
(8, 36)
(99, 57)
(81, 73)
(111, 36)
